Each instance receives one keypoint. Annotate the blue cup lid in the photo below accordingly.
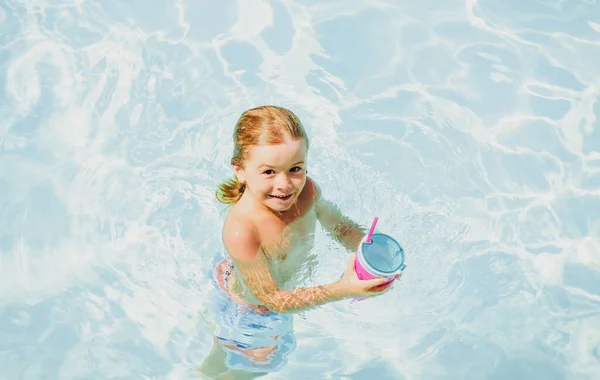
(383, 253)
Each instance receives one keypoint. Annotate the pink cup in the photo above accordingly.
(379, 256)
(364, 275)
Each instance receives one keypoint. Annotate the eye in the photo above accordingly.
(296, 169)
(269, 172)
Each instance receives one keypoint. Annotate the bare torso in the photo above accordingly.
(287, 242)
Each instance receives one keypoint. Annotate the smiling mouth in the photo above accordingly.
(282, 197)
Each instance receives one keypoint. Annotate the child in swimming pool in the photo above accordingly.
(269, 234)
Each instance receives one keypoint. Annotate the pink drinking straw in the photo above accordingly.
(368, 240)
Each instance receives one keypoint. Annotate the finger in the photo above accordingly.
(384, 288)
(379, 289)
(375, 282)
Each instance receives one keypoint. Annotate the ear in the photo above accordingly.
(239, 173)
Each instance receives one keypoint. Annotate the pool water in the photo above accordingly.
(470, 128)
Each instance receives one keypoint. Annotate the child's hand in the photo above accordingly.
(353, 287)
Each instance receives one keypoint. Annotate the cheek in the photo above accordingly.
(263, 186)
(299, 182)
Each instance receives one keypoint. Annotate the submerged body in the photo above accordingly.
(252, 335)
(286, 246)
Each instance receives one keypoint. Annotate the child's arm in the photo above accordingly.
(250, 262)
(339, 226)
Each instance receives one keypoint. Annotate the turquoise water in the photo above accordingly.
(470, 128)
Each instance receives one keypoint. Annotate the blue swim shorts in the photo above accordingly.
(239, 328)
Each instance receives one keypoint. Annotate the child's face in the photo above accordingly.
(275, 174)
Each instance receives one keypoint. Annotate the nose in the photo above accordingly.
(283, 182)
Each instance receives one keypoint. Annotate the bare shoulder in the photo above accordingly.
(240, 236)
(311, 192)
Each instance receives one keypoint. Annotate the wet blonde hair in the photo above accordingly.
(265, 125)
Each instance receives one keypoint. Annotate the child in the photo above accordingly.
(268, 236)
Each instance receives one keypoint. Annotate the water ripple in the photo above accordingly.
(469, 127)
